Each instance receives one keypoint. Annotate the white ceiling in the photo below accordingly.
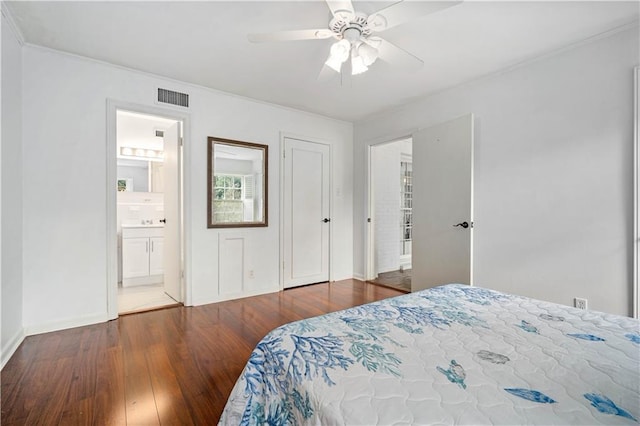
(136, 130)
(205, 43)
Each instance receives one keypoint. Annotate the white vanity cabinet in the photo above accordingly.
(142, 255)
(156, 256)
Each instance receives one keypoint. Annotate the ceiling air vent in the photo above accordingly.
(159, 133)
(173, 98)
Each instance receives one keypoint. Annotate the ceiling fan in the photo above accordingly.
(355, 32)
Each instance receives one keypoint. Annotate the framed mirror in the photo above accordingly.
(237, 176)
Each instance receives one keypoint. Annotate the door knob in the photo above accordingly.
(325, 220)
(465, 225)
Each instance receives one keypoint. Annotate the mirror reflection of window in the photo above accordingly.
(227, 204)
(237, 176)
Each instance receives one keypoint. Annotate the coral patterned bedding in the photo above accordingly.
(449, 355)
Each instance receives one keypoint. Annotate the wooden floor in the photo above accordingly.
(172, 366)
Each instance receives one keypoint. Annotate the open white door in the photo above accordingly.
(443, 204)
(636, 171)
(172, 252)
(306, 212)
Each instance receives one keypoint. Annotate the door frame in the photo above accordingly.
(369, 230)
(113, 106)
(283, 136)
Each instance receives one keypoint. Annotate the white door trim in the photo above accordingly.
(369, 234)
(283, 136)
(111, 210)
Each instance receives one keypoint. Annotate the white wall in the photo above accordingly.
(64, 145)
(553, 172)
(11, 231)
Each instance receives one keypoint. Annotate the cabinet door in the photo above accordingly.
(156, 256)
(135, 257)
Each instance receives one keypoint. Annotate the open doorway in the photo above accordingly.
(148, 207)
(391, 209)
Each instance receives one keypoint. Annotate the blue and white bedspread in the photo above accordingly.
(449, 355)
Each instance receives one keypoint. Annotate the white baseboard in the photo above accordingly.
(358, 277)
(30, 330)
(234, 296)
(10, 348)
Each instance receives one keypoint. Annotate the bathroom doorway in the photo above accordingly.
(148, 211)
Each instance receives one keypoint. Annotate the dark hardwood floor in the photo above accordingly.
(172, 366)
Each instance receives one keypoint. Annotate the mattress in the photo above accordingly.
(449, 355)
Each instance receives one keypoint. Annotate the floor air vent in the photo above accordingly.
(173, 98)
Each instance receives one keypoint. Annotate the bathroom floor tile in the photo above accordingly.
(141, 298)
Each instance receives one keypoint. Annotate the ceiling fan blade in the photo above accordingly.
(319, 34)
(403, 11)
(341, 9)
(396, 56)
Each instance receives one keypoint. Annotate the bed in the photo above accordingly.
(452, 354)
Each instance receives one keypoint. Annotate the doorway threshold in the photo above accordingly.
(149, 309)
(143, 298)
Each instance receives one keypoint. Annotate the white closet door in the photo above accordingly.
(306, 212)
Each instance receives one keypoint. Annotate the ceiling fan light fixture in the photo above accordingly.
(334, 63)
(368, 53)
(351, 34)
(357, 63)
(339, 53)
